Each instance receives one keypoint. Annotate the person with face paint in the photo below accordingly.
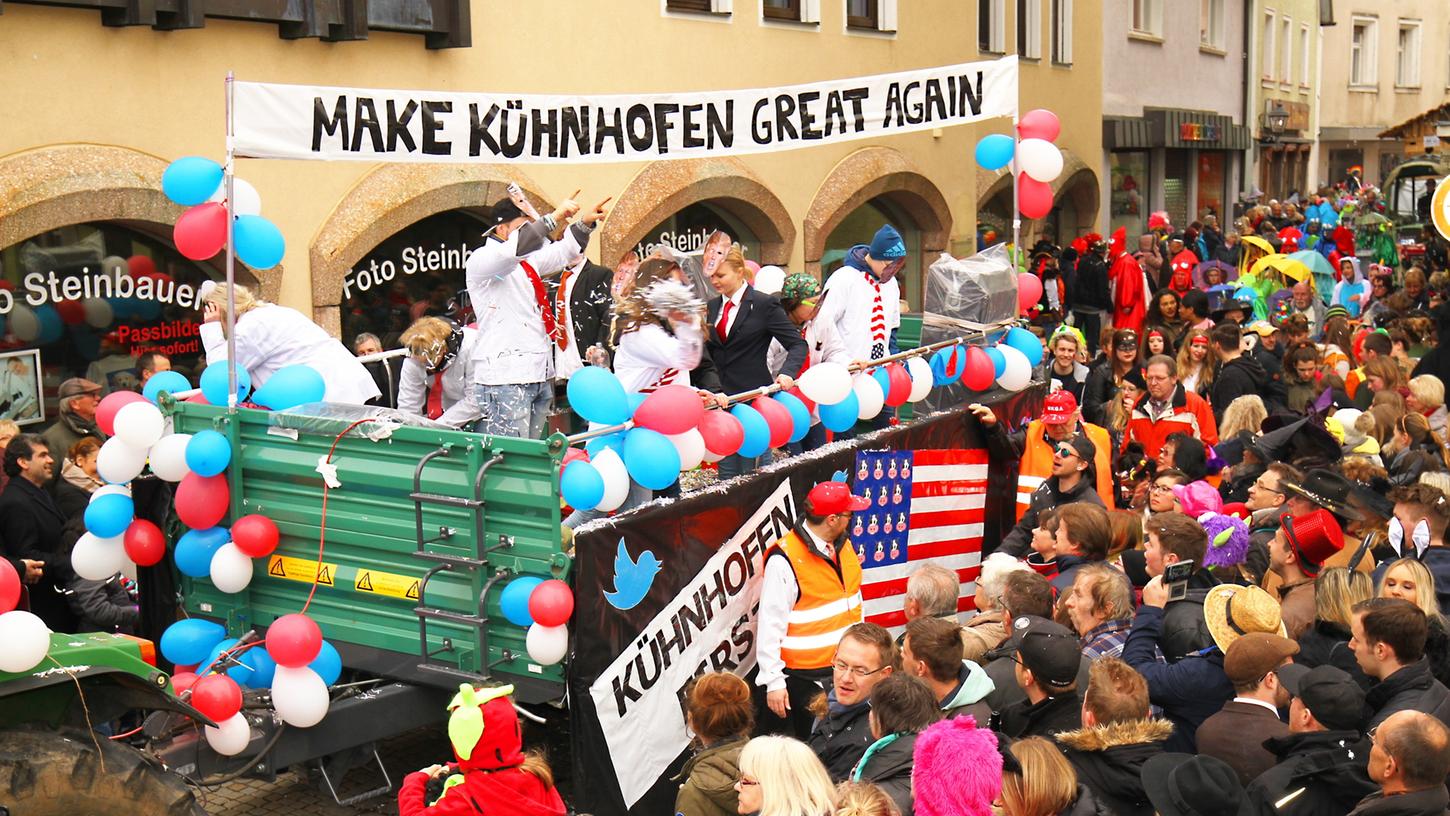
(437, 376)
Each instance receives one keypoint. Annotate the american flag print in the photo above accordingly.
(925, 505)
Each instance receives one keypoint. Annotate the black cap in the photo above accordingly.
(1049, 650)
(506, 210)
(1135, 376)
(1177, 236)
(1329, 693)
(1187, 785)
(1085, 448)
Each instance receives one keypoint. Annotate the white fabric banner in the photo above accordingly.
(709, 626)
(357, 124)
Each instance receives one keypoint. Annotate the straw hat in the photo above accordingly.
(1232, 611)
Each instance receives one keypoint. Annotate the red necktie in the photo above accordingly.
(435, 397)
(724, 320)
(878, 320)
(560, 302)
(541, 297)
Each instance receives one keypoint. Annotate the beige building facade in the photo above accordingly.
(1283, 90)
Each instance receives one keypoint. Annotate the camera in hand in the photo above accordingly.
(1175, 577)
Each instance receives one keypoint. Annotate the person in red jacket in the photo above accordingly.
(492, 775)
(1166, 409)
(1130, 296)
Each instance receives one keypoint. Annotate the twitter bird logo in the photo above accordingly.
(632, 579)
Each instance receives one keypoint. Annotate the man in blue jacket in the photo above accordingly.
(1195, 687)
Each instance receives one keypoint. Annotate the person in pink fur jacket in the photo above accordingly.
(957, 769)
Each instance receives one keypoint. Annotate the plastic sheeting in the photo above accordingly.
(331, 418)
(978, 289)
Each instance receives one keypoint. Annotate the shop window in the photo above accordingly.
(1362, 52)
(992, 26)
(85, 301)
(860, 226)
(1407, 66)
(1062, 32)
(1341, 160)
(1212, 182)
(1029, 29)
(1128, 204)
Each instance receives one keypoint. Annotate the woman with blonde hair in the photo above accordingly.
(1410, 580)
(863, 799)
(720, 713)
(1246, 413)
(1042, 782)
(780, 776)
(1326, 642)
(1196, 362)
(271, 337)
(1427, 396)
(437, 376)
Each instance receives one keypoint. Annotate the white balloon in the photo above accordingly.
(139, 424)
(299, 696)
(231, 736)
(1018, 373)
(770, 279)
(616, 479)
(119, 462)
(921, 378)
(825, 383)
(691, 447)
(168, 457)
(111, 489)
(24, 324)
(869, 395)
(712, 457)
(128, 569)
(547, 645)
(99, 314)
(231, 569)
(246, 200)
(26, 639)
(1039, 159)
(97, 559)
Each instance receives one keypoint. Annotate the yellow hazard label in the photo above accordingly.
(386, 583)
(297, 569)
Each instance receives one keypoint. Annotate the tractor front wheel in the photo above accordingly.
(61, 773)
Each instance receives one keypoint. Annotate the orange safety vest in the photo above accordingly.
(828, 603)
(1036, 464)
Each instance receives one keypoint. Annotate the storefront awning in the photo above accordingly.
(1409, 127)
(1176, 129)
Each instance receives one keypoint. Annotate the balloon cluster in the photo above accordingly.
(288, 387)
(544, 608)
(297, 665)
(201, 232)
(1039, 161)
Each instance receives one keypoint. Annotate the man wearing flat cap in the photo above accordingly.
(78, 400)
(1321, 761)
(1236, 734)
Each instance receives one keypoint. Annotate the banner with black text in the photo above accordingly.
(307, 122)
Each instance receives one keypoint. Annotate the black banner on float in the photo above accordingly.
(673, 582)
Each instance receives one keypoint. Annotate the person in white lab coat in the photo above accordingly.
(437, 376)
(271, 337)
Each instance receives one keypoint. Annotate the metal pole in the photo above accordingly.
(230, 182)
(1016, 176)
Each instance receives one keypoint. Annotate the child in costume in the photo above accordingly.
(492, 775)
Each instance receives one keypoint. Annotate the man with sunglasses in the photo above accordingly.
(1072, 481)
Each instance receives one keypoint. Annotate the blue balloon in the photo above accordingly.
(999, 362)
(187, 642)
(214, 383)
(191, 180)
(327, 664)
(994, 151)
(651, 459)
(172, 381)
(208, 453)
(595, 394)
(238, 673)
(290, 387)
(196, 547)
(947, 364)
(1027, 343)
(599, 443)
(757, 431)
(259, 243)
(842, 416)
(581, 485)
(636, 400)
(800, 415)
(110, 515)
(52, 328)
(515, 600)
(879, 374)
(261, 668)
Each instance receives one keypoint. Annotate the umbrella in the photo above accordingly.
(1321, 268)
(1258, 243)
(1370, 218)
(1284, 267)
(1200, 273)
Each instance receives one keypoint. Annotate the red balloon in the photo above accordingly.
(1029, 291)
(900, 384)
(71, 312)
(551, 603)
(182, 680)
(107, 408)
(1039, 124)
(979, 374)
(671, 410)
(576, 455)
(294, 640)
(800, 395)
(255, 535)
(1034, 198)
(200, 232)
(140, 266)
(722, 432)
(144, 543)
(217, 696)
(202, 501)
(9, 586)
(777, 418)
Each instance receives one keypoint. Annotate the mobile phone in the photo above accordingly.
(1175, 577)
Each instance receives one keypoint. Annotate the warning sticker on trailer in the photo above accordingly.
(298, 569)
(387, 583)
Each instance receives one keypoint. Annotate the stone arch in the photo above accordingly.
(868, 173)
(390, 199)
(662, 189)
(59, 185)
(1076, 191)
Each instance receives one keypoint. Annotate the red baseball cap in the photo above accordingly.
(830, 498)
(1315, 536)
(1059, 407)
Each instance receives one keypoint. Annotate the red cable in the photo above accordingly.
(322, 524)
(133, 732)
